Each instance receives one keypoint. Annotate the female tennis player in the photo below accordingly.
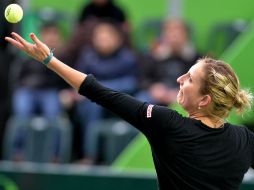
(200, 151)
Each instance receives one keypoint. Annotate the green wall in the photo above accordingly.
(69, 6)
(204, 15)
(136, 11)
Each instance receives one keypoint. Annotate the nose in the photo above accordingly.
(180, 80)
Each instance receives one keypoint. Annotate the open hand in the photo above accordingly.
(38, 50)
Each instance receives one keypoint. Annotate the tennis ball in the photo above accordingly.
(13, 13)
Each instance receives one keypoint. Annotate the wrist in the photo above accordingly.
(49, 57)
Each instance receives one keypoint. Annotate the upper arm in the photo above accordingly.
(158, 121)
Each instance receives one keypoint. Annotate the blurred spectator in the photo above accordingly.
(36, 88)
(113, 64)
(103, 9)
(6, 58)
(170, 57)
(90, 14)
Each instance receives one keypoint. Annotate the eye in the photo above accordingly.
(189, 77)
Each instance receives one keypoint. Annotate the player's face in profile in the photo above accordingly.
(189, 94)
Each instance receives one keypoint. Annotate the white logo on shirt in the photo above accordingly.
(149, 111)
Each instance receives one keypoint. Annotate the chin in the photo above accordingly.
(179, 98)
(180, 102)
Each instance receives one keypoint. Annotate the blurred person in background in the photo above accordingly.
(103, 9)
(114, 64)
(171, 56)
(91, 13)
(36, 90)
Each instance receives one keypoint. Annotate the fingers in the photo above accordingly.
(38, 50)
(15, 43)
(35, 39)
(20, 39)
(43, 48)
(39, 43)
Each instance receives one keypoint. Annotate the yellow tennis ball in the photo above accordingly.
(13, 13)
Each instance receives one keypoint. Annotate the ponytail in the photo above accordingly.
(243, 100)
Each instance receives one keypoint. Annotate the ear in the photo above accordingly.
(205, 101)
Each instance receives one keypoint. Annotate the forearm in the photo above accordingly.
(70, 75)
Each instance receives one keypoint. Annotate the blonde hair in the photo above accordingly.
(222, 84)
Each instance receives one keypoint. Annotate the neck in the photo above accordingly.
(210, 122)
